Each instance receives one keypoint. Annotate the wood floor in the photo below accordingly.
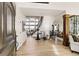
(42, 47)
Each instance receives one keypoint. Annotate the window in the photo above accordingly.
(31, 23)
(32, 27)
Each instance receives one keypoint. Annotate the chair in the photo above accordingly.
(73, 45)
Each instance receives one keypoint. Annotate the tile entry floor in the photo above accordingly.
(42, 47)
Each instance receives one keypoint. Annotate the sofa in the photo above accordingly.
(74, 45)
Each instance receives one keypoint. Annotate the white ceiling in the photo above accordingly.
(40, 12)
(30, 9)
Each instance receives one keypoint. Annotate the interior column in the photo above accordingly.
(65, 29)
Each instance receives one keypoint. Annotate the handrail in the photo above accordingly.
(39, 24)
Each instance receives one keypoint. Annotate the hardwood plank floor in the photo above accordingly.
(42, 47)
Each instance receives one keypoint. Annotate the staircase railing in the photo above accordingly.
(39, 24)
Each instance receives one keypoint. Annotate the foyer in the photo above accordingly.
(55, 17)
(39, 28)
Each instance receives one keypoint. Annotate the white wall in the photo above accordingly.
(47, 24)
(49, 20)
(21, 36)
(59, 20)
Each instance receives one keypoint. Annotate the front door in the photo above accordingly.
(8, 29)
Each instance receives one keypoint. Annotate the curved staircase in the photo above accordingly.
(36, 26)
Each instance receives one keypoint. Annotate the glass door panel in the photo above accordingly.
(9, 21)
